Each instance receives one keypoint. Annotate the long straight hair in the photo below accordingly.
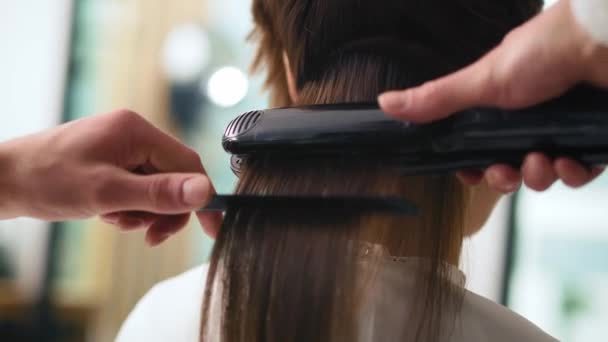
(296, 275)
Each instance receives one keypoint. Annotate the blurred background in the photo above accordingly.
(184, 65)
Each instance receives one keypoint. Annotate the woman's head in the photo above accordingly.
(312, 33)
(350, 51)
(296, 275)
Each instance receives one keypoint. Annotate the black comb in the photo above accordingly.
(391, 205)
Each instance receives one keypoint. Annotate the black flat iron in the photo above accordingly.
(574, 125)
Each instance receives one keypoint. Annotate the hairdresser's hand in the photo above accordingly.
(116, 165)
(537, 61)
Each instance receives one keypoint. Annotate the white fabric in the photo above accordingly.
(593, 16)
(171, 311)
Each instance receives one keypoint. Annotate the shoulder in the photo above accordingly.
(170, 311)
(484, 320)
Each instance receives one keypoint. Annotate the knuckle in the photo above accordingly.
(429, 92)
(511, 36)
(502, 92)
(127, 116)
(495, 86)
(123, 118)
(420, 99)
(112, 123)
(103, 191)
(159, 191)
(124, 122)
(504, 80)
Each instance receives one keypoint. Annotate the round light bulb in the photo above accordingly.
(227, 86)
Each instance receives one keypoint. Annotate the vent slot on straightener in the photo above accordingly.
(242, 123)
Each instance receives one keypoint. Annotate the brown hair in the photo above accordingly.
(296, 275)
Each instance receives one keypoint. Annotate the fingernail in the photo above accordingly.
(393, 101)
(195, 190)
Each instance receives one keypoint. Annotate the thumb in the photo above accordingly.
(469, 87)
(163, 193)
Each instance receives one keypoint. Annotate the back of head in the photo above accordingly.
(306, 276)
(312, 33)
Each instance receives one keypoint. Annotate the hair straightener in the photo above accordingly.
(574, 125)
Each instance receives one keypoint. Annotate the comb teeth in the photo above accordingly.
(242, 123)
(351, 204)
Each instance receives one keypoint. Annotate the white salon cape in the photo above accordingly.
(171, 311)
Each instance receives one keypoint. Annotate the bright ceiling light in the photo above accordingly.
(227, 86)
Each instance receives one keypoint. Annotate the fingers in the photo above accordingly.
(165, 227)
(469, 87)
(470, 177)
(211, 223)
(534, 62)
(133, 220)
(158, 227)
(538, 172)
(161, 227)
(170, 193)
(573, 174)
(503, 178)
(174, 180)
(127, 139)
(130, 220)
(146, 144)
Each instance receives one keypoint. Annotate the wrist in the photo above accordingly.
(595, 61)
(592, 17)
(592, 51)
